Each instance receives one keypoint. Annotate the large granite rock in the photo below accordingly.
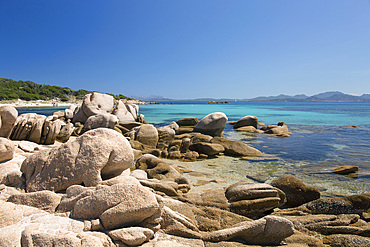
(187, 121)
(7, 149)
(123, 112)
(96, 155)
(65, 132)
(117, 206)
(147, 134)
(210, 149)
(28, 127)
(27, 226)
(297, 193)
(8, 116)
(281, 129)
(247, 121)
(236, 148)
(45, 200)
(166, 134)
(132, 236)
(97, 103)
(100, 121)
(249, 198)
(156, 168)
(213, 124)
(36, 128)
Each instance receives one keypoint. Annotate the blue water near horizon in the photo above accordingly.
(320, 140)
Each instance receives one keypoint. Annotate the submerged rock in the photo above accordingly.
(345, 170)
(355, 204)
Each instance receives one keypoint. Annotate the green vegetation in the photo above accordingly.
(28, 90)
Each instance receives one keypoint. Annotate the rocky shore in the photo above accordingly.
(98, 174)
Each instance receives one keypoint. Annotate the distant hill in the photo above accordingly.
(28, 90)
(333, 96)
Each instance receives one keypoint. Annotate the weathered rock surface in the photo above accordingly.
(36, 128)
(122, 112)
(7, 149)
(236, 148)
(132, 236)
(10, 173)
(100, 121)
(96, 155)
(27, 226)
(65, 132)
(45, 200)
(119, 205)
(156, 168)
(97, 103)
(248, 198)
(213, 124)
(247, 121)
(8, 117)
(297, 193)
(166, 134)
(269, 230)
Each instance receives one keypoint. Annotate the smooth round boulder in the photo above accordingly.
(7, 149)
(8, 116)
(247, 121)
(297, 193)
(147, 134)
(213, 124)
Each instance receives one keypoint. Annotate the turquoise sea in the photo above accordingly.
(320, 141)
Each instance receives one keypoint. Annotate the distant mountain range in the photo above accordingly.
(333, 96)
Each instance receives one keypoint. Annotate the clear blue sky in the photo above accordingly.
(189, 48)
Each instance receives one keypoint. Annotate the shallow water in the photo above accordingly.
(319, 142)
